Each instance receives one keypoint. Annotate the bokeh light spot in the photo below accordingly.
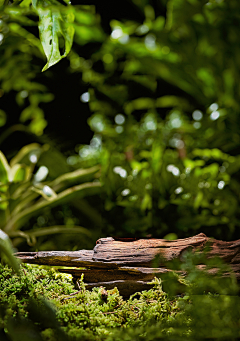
(85, 97)
(125, 192)
(197, 115)
(213, 107)
(221, 184)
(119, 119)
(214, 115)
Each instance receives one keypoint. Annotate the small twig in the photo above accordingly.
(71, 295)
(79, 287)
(112, 312)
(24, 271)
(74, 293)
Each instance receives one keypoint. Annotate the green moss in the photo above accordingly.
(47, 303)
(88, 314)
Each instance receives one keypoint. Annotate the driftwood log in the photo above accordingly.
(128, 263)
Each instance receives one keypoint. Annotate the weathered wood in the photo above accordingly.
(124, 273)
(142, 252)
(82, 258)
(122, 263)
(125, 287)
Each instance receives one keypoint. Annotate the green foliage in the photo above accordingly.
(25, 193)
(87, 314)
(54, 23)
(6, 251)
(164, 100)
(207, 307)
(168, 160)
(21, 51)
(165, 114)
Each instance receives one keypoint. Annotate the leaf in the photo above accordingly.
(33, 234)
(77, 176)
(198, 200)
(146, 202)
(6, 248)
(139, 104)
(3, 202)
(4, 169)
(30, 149)
(19, 173)
(46, 192)
(55, 22)
(79, 191)
(172, 101)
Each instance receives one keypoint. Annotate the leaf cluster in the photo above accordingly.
(24, 192)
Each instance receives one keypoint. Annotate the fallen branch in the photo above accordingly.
(129, 264)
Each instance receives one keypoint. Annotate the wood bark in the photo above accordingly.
(129, 265)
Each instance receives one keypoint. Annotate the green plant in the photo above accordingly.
(169, 144)
(23, 52)
(164, 99)
(46, 302)
(86, 315)
(25, 193)
(6, 252)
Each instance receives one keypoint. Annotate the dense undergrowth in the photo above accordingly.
(43, 304)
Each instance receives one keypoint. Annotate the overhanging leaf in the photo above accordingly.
(6, 248)
(55, 23)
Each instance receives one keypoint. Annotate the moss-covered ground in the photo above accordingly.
(43, 304)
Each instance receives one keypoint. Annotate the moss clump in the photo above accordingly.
(88, 314)
(45, 303)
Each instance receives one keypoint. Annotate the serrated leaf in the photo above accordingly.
(6, 248)
(4, 169)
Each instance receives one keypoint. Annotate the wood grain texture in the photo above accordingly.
(123, 263)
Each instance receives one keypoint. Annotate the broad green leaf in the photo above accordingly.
(53, 24)
(6, 248)
(4, 169)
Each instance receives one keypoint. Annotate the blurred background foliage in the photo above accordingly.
(146, 90)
